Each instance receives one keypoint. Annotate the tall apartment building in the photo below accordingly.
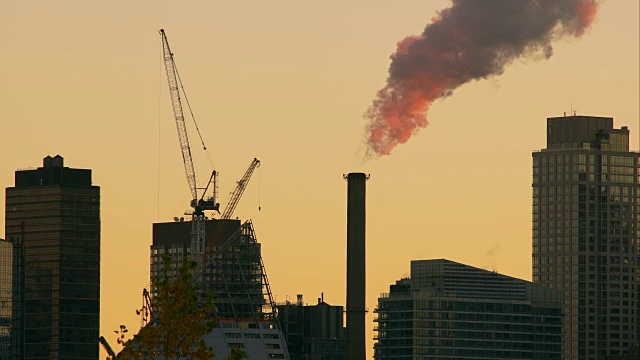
(313, 332)
(447, 310)
(585, 232)
(53, 220)
(6, 288)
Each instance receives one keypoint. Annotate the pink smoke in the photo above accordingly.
(470, 40)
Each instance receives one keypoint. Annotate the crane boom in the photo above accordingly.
(230, 208)
(237, 193)
(172, 78)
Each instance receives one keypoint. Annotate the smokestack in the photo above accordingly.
(471, 40)
(356, 280)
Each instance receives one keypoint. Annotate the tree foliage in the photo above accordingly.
(183, 318)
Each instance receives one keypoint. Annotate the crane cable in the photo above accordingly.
(204, 147)
(259, 188)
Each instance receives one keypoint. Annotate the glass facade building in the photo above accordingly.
(447, 310)
(53, 220)
(585, 232)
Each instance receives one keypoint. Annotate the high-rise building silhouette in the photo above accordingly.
(448, 310)
(53, 220)
(585, 232)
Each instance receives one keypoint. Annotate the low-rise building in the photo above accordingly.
(448, 310)
(313, 332)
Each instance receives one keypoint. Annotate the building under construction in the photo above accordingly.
(245, 312)
(227, 253)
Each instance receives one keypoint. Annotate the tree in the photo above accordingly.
(183, 320)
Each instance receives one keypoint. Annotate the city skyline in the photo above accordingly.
(94, 92)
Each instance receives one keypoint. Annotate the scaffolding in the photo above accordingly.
(236, 275)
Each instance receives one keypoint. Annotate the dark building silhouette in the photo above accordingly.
(313, 332)
(53, 220)
(6, 288)
(447, 310)
(585, 233)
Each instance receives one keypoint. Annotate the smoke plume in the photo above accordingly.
(470, 40)
(489, 259)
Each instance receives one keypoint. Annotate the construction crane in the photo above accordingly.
(200, 249)
(199, 204)
(230, 208)
(146, 312)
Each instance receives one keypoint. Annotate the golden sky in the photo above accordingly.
(288, 82)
